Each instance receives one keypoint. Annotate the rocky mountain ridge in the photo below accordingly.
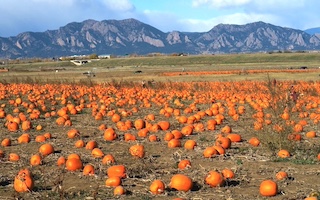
(130, 36)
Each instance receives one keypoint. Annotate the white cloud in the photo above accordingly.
(220, 3)
(237, 18)
(119, 5)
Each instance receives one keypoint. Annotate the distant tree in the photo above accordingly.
(93, 56)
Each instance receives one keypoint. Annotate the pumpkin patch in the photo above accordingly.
(190, 138)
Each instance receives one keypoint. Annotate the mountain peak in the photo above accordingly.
(129, 36)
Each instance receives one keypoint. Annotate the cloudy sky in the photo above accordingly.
(167, 15)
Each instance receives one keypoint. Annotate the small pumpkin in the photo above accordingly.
(181, 182)
(46, 149)
(283, 153)
(88, 170)
(137, 150)
(113, 181)
(157, 187)
(23, 181)
(117, 170)
(214, 179)
(254, 141)
(184, 164)
(268, 188)
(35, 160)
(281, 175)
(119, 190)
(73, 164)
(108, 159)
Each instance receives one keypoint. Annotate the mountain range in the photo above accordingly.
(130, 36)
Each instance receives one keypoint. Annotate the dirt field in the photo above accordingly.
(124, 95)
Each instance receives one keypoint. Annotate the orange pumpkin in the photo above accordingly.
(73, 133)
(88, 170)
(117, 170)
(110, 134)
(268, 188)
(35, 160)
(181, 182)
(173, 143)
(184, 164)
(108, 159)
(164, 125)
(61, 161)
(97, 153)
(6, 142)
(254, 141)
(119, 190)
(224, 142)
(137, 150)
(139, 124)
(91, 145)
(283, 153)
(227, 174)
(23, 181)
(157, 187)
(113, 181)
(214, 179)
(46, 149)
(190, 144)
(281, 175)
(73, 164)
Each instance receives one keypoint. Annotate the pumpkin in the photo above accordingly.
(234, 137)
(40, 138)
(311, 134)
(24, 138)
(173, 143)
(23, 181)
(108, 159)
(113, 181)
(26, 125)
(72, 133)
(283, 153)
(254, 141)
(157, 187)
(281, 175)
(88, 170)
(137, 150)
(91, 145)
(6, 142)
(227, 174)
(209, 152)
(35, 160)
(109, 134)
(119, 190)
(153, 138)
(79, 144)
(219, 149)
(164, 125)
(97, 153)
(46, 149)
(139, 124)
(13, 126)
(224, 142)
(61, 161)
(115, 118)
(214, 179)
(190, 144)
(73, 164)
(117, 170)
(184, 164)
(181, 182)
(268, 188)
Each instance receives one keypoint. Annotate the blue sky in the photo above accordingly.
(18, 16)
